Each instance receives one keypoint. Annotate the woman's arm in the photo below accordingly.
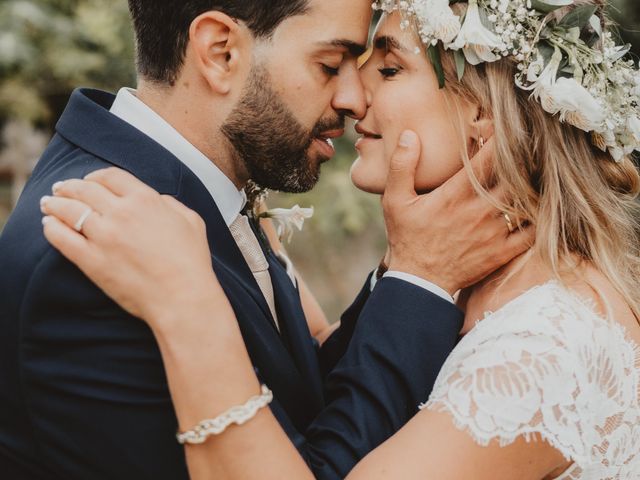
(205, 380)
(431, 447)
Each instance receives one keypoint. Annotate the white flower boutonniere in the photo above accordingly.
(285, 219)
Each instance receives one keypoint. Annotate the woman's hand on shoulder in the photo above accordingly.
(147, 251)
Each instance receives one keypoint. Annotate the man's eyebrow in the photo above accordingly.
(355, 49)
(387, 42)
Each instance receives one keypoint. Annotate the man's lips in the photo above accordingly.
(324, 143)
(329, 134)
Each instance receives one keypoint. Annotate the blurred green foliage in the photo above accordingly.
(49, 47)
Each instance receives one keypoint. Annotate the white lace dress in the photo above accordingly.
(547, 364)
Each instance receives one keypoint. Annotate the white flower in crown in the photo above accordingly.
(636, 86)
(577, 106)
(436, 21)
(475, 39)
(535, 69)
(565, 96)
(285, 219)
(633, 124)
(503, 6)
(544, 83)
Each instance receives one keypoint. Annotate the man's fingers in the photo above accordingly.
(118, 181)
(482, 162)
(71, 212)
(521, 240)
(402, 168)
(69, 243)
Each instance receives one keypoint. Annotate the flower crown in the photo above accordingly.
(573, 68)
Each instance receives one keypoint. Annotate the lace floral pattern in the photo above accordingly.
(546, 364)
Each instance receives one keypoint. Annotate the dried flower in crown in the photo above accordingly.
(571, 66)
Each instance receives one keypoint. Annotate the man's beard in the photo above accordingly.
(270, 143)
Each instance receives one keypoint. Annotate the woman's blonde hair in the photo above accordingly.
(581, 202)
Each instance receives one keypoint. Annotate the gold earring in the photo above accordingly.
(481, 141)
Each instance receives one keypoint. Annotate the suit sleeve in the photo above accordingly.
(336, 345)
(94, 382)
(401, 338)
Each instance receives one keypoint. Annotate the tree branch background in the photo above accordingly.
(49, 47)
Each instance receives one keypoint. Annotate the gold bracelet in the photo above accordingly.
(239, 415)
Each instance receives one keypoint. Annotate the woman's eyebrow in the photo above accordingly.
(387, 42)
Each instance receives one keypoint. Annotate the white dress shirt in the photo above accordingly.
(418, 281)
(227, 197)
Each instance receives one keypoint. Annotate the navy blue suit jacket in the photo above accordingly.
(83, 392)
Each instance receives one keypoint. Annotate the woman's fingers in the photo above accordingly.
(118, 181)
(70, 243)
(73, 213)
(183, 210)
(92, 194)
(518, 242)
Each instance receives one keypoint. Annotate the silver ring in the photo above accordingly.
(79, 224)
(510, 226)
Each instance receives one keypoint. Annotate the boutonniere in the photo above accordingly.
(285, 219)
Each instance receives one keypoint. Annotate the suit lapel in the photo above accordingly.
(293, 325)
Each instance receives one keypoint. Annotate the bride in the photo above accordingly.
(545, 382)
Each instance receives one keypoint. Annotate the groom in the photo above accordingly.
(228, 91)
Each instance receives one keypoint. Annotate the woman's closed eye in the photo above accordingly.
(389, 72)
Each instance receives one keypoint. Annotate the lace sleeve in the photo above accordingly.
(546, 368)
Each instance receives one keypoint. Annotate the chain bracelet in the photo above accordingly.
(239, 415)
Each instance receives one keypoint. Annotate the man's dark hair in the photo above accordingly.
(162, 28)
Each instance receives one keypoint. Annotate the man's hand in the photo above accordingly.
(452, 236)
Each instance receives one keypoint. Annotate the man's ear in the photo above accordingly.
(218, 45)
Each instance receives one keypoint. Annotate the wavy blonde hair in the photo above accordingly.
(582, 203)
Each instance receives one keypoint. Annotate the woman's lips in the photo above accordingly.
(367, 136)
(367, 133)
(362, 141)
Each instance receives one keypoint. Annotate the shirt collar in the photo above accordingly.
(227, 197)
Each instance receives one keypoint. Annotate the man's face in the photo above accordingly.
(303, 83)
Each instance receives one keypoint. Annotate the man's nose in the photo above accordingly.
(350, 99)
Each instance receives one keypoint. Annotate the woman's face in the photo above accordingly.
(402, 93)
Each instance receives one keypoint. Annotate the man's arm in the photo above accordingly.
(334, 347)
(400, 341)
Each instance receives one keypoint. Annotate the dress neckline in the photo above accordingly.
(585, 303)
